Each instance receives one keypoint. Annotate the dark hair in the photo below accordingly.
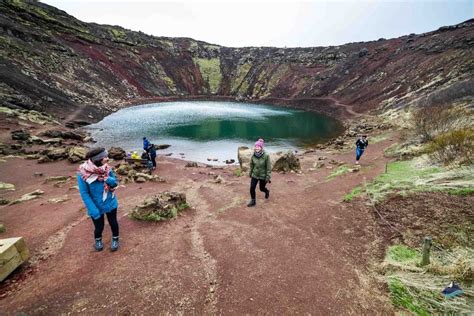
(94, 151)
(365, 136)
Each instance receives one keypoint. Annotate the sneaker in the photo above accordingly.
(252, 203)
(452, 290)
(98, 244)
(267, 194)
(115, 244)
(357, 162)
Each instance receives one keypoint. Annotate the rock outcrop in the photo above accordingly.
(162, 206)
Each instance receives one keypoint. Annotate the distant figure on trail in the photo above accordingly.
(146, 144)
(361, 145)
(260, 171)
(97, 183)
(152, 152)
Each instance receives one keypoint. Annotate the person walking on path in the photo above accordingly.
(260, 172)
(361, 145)
(97, 183)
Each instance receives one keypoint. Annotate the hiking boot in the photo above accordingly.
(98, 244)
(267, 194)
(115, 244)
(252, 203)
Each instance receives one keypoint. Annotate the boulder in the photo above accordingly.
(20, 135)
(116, 153)
(76, 154)
(162, 206)
(13, 252)
(244, 154)
(140, 180)
(287, 162)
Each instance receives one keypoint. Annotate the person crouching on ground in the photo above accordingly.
(97, 183)
(152, 151)
(361, 145)
(260, 171)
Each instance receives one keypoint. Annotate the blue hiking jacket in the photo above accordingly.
(91, 194)
(146, 143)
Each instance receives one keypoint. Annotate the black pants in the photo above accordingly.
(99, 224)
(153, 161)
(253, 185)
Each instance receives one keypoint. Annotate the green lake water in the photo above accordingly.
(198, 130)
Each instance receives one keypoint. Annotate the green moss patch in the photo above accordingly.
(401, 253)
(357, 191)
(339, 171)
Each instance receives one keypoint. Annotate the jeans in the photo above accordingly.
(99, 224)
(253, 185)
(359, 153)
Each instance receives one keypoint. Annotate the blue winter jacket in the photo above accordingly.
(91, 194)
(146, 144)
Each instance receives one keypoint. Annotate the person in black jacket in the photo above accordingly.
(361, 145)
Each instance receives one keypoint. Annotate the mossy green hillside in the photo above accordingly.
(211, 72)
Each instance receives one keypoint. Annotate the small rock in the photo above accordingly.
(4, 201)
(7, 186)
(219, 179)
(20, 135)
(191, 165)
(140, 180)
(2, 228)
(27, 197)
(159, 147)
(38, 174)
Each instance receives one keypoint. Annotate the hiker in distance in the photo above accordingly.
(361, 145)
(97, 183)
(260, 171)
(146, 144)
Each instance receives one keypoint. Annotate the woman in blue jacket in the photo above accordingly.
(97, 183)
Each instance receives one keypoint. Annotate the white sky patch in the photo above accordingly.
(268, 23)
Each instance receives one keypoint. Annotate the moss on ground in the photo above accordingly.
(357, 191)
(402, 297)
(211, 72)
(402, 253)
(339, 171)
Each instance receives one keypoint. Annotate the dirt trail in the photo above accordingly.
(302, 251)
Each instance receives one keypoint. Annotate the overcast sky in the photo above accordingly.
(273, 23)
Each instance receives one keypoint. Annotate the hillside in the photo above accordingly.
(50, 61)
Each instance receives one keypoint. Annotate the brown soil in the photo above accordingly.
(302, 251)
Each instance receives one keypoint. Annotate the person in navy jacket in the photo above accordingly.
(97, 183)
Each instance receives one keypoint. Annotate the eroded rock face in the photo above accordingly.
(162, 206)
(244, 154)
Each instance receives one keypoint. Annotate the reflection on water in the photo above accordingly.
(204, 130)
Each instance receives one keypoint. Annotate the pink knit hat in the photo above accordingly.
(260, 143)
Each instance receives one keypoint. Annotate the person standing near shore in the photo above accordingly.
(361, 145)
(97, 183)
(260, 172)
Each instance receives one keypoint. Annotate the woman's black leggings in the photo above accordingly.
(99, 224)
(253, 185)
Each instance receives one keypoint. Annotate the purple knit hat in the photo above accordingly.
(260, 143)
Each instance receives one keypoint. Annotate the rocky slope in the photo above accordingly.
(50, 61)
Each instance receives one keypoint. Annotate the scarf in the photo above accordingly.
(258, 154)
(89, 172)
